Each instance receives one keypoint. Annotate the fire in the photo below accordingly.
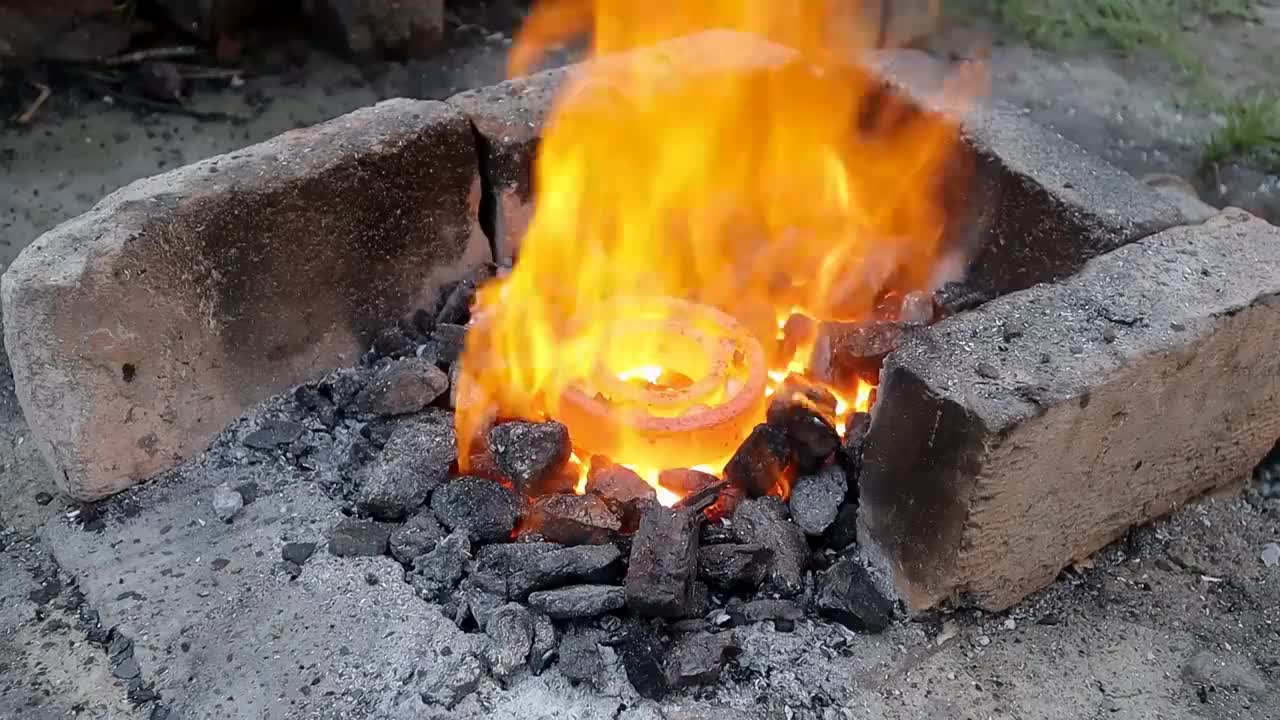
(798, 188)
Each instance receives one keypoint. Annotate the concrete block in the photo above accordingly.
(139, 329)
(1014, 439)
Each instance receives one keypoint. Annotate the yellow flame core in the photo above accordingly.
(754, 181)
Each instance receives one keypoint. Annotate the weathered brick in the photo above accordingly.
(139, 329)
(1017, 438)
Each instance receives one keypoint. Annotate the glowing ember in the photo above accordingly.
(684, 215)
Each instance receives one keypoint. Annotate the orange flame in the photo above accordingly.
(758, 179)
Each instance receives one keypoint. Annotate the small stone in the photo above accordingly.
(845, 353)
(987, 370)
(762, 462)
(416, 537)
(402, 387)
(226, 502)
(1271, 555)
(580, 564)
(437, 573)
(530, 454)
(816, 499)
(414, 461)
(734, 567)
(486, 509)
(578, 601)
(297, 552)
(763, 522)
(983, 640)
(574, 519)
(848, 595)
(697, 659)
(510, 630)
(353, 537)
(580, 659)
(273, 433)
(543, 649)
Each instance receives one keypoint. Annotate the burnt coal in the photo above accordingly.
(495, 564)
(447, 342)
(798, 385)
(402, 387)
(343, 386)
(763, 522)
(622, 488)
(297, 552)
(734, 567)
(798, 332)
(530, 454)
(475, 604)
(392, 342)
(578, 601)
(851, 447)
(582, 564)
(843, 531)
(414, 462)
(273, 434)
(917, 309)
(484, 508)
(848, 352)
(580, 659)
(762, 461)
(698, 659)
(436, 573)
(716, 533)
(416, 537)
(510, 631)
(643, 651)
(353, 537)
(663, 563)
(782, 613)
(816, 499)
(810, 429)
(686, 481)
(954, 297)
(703, 498)
(313, 401)
(574, 519)
(848, 595)
(545, 640)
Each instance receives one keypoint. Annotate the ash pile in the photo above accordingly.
(551, 570)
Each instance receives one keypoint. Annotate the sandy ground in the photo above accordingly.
(1180, 621)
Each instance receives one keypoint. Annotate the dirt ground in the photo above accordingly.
(1181, 620)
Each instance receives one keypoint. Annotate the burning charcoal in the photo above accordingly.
(297, 552)
(437, 573)
(762, 461)
(414, 462)
(358, 538)
(855, 438)
(544, 643)
(643, 651)
(684, 481)
(702, 499)
(580, 659)
(916, 309)
(484, 508)
(698, 659)
(848, 352)
(734, 567)
(510, 631)
(844, 530)
(771, 610)
(226, 502)
(810, 430)
(716, 533)
(763, 521)
(848, 595)
(816, 499)
(402, 387)
(392, 342)
(578, 601)
(416, 537)
(583, 563)
(273, 433)
(574, 519)
(449, 341)
(798, 332)
(625, 491)
(664, 562)
(529, 453)
(725, 505)
(822, 398)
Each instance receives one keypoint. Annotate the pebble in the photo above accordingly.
(226, 502)
(1010, 624)
(983, 640)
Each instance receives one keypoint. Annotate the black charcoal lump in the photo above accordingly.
(764, 522)
(354, 537)
(582, 563)
(574, 519)
(482, 507)
(848, 594)
(402, 387)
(510, 631)
(415, 537)
(663, 563)
(438, 572)
(816, 499)
(734, 567)
(698, 659)
(413, 462)
(762, 461)
(578, 601)
(531, 454)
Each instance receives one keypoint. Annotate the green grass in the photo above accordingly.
(1251, 130)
